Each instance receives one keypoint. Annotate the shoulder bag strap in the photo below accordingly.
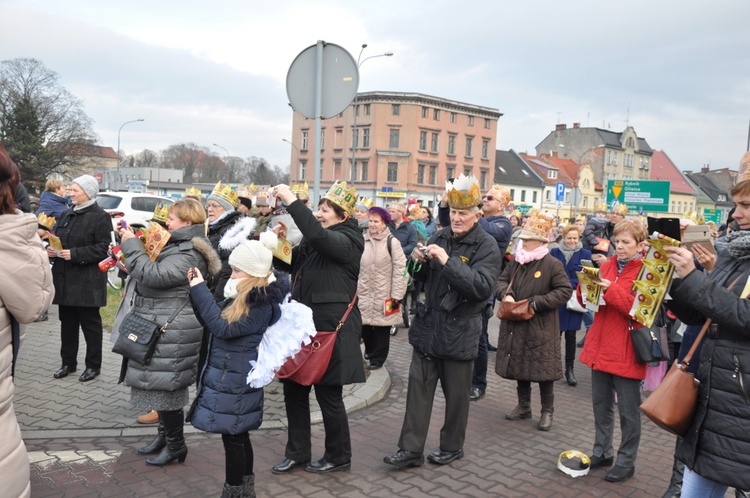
(702, 333)
(174, 315)
(348, 310)
(510, 284)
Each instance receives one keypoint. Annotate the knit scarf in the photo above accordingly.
(523, 256)
(621, 263)
(738, 244)
(568, 252)
(84, 205)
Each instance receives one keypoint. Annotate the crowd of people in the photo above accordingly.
(219, 284)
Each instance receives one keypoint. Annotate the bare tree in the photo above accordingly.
(41, 123)
(146, 159)
(186, 157)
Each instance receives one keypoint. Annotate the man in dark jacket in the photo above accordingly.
(459, 265)
(495, 223)
(402, 229)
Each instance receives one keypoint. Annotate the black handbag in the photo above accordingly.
(646, 345)
(138, 336)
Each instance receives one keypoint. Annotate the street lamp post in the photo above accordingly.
(299, 178)
(118, 149)
(355, 142)
(226, 161)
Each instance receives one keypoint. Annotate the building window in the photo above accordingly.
(365, 138)
(673, 207)
(487, 123)
(512, 194)
(451, 145)
(356, 110)
(548, 195)
(367, 109)
(469, 144)
(485, 149)
(420, 173)
(434, 147)
(483, 180)
(450, 173)
(396, 108)
(585, 202)
(533, 196)
(424, 112)
(304, 140)
(392, 172)
(552, 174)
(303, 170)
(433, 175)
(471, 121)
(393, 140)
(338, 139)
(467, 170)
(523, 196)
(352, 169)
(453, 117)
(337, 169)
(322, 139)
(364, 170)
(436, 114)
(422, 140)
(630, 144)
(355, 138)
(679, 206)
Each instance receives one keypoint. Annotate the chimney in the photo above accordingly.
(576, 126)
(560, 127)
(705, 169)
(554, 153)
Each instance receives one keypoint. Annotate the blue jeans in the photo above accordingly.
(479, 375)
(588, 319)
(696, 486)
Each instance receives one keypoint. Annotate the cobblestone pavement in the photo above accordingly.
(82, 439)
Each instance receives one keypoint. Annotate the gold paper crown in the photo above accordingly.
(463, 193)
(744, 171)
(600, 206)
(503, 193)
(344, 198)
(367, 202)
(302, 191)
(539, 223)
(227, 193)
(161, 212)
(252, 188)
(581, 217)
(518, 214)
(46, 221)
(154, 240)
(695, 217)
(244, 191)
(193, 192)
(620, 208)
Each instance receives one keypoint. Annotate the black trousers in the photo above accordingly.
(377, 343)
(238, 452)
(335, 422)
(90, 321)
(570, 347)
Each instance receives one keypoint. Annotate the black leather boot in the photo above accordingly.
(675, 483)
(175, 449)
(523, 409)
(548, 408)
(159, 442)
(570, 377)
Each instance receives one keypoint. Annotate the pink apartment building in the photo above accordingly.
(407, 145)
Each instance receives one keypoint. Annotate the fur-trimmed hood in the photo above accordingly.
(237, 233)
(203, 246)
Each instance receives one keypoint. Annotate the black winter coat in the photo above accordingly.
(79, 282)
(325, 271)
(449, 323)
(225, 403)
(215, 233)
(717, 445)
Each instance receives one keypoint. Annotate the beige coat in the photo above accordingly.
(26, 292)
(381, 275)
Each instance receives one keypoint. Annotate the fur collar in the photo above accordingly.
(237, 233)
(203, 246)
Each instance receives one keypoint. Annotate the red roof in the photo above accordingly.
(543, 164)
(662, 168)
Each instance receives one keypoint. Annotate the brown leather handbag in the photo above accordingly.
(515, 311)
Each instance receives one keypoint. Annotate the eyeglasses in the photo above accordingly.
(489, 198)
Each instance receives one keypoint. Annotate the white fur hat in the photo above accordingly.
(255, 257)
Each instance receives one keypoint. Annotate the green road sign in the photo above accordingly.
(712, 215)
(641, 196)
(524, 209)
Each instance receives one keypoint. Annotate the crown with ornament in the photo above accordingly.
(518, 214)
(344, 198)
(744, 171)
(537, 225)
(193, 192)
(463, 192)
(45, 221)
(227, 193)
(161, 213)
(695, 217)
(301, 190)
(502, 194)
(600, 206)
(366, 202)
(581, 217)
(620, 208)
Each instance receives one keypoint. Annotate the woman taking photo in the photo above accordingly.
(80, 287)
(570, 253)
(161, 288)
(609, 352)
(529, 351)
(324, 275)
(716, 449)
(225, 404)
(381, 278)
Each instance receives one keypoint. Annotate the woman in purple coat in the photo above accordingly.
(570, 253)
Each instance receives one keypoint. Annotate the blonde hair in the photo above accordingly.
(567, 229)
(189, 209)
(240, 307)
(53, 185)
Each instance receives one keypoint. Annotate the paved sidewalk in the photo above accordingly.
(82, 441)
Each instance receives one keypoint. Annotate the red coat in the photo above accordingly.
(608, 347)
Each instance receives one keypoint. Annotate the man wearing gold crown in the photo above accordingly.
(459, 265)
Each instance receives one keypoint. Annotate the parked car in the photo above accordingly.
(135, 208)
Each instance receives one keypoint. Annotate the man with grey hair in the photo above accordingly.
(459, 265)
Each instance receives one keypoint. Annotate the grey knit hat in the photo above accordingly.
(221, 202)
(88, 184)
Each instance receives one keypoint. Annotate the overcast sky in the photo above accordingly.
(215, 72)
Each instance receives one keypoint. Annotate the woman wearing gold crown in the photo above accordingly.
(325, 268)
(529, 351)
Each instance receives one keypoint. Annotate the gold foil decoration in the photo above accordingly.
(653, 281)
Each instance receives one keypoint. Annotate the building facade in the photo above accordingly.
(404, 145)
